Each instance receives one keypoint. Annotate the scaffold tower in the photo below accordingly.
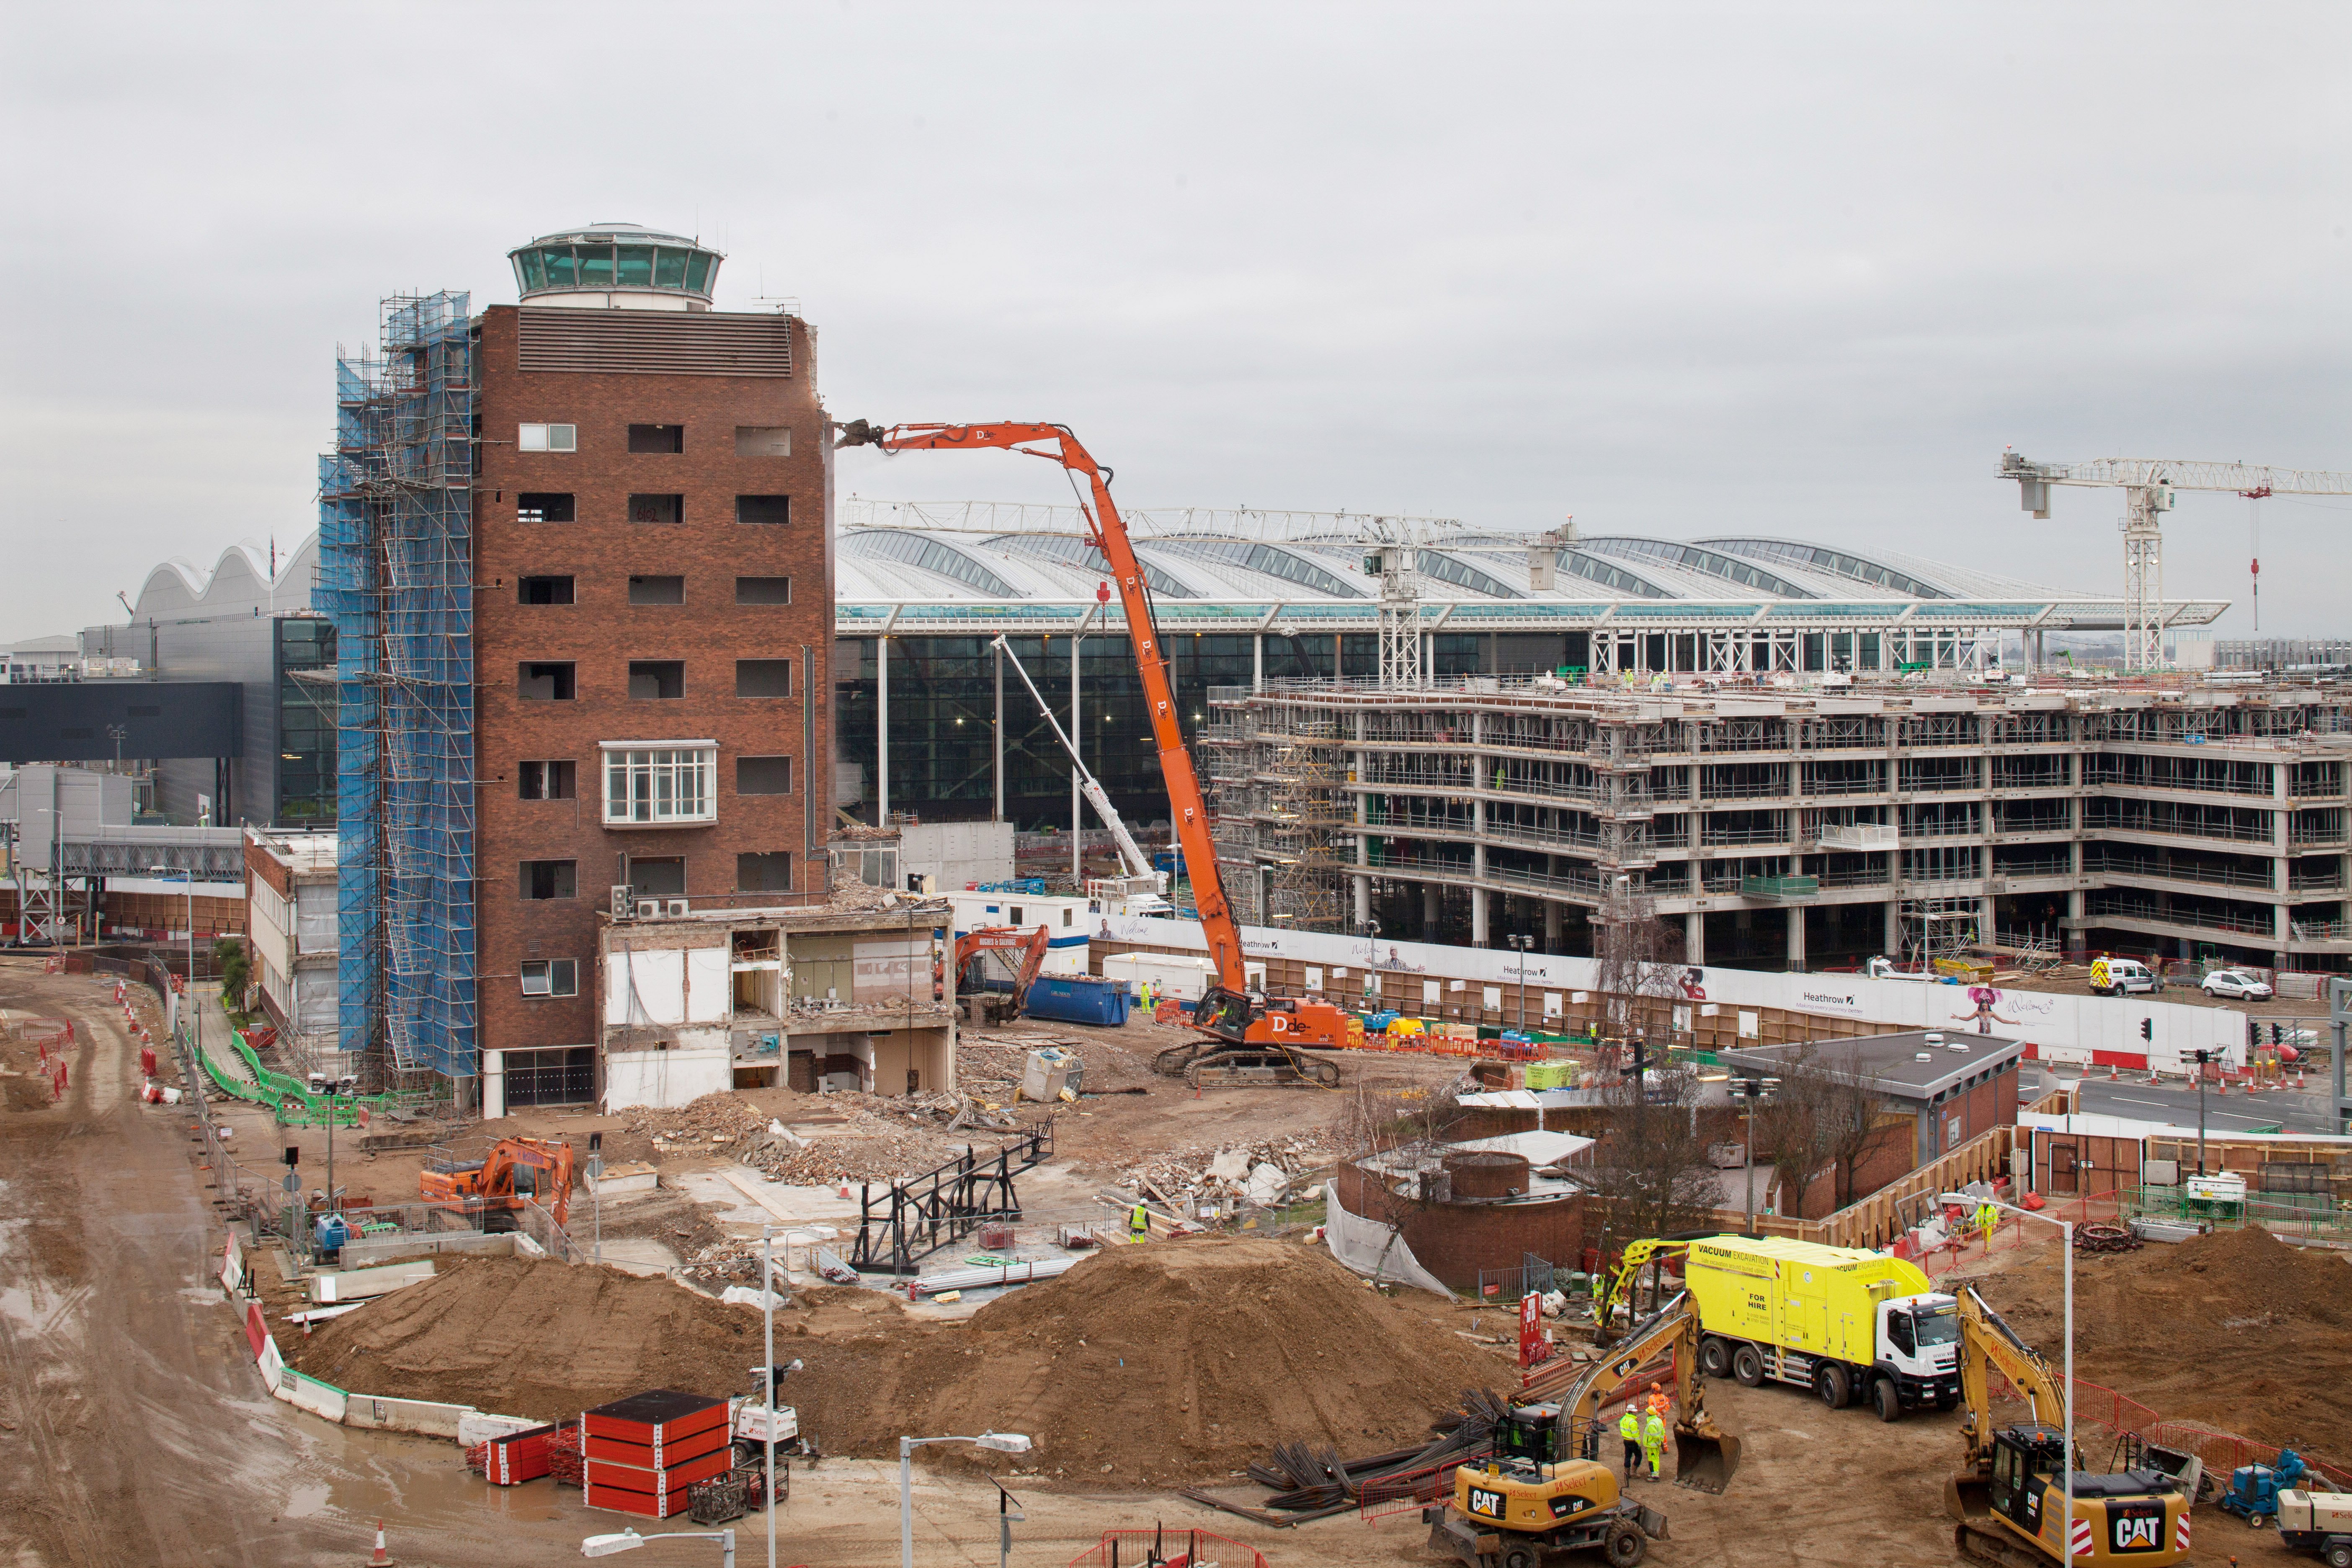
(1310, 830)
(395, 574)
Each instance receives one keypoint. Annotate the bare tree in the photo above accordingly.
(1789, 1125)
(1850, 1115)
(1637, 965)
(1651, 1175)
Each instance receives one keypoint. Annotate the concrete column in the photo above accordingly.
(1478, 908)
(999, 769)
(1985, 919)
(1551, 926)
(1077, 817)
(1428, 909)
(1695, 938)
(1363, 897)
(881, 731)
(1796, 936)
(1338, 655)
(1891, 941)
(1257, 661)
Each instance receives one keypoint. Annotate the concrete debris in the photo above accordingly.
(1256, 1175)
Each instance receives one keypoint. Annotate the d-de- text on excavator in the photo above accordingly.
(1246, 1040)
(1545, 1490)
(2009, 1493)
(514, 1171)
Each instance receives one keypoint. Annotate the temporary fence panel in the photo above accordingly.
(1135, 1548)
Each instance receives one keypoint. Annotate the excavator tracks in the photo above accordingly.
(1987, 1543)
(1214, 1064)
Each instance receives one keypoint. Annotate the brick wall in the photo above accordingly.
(602, 631)
(1454, 1241)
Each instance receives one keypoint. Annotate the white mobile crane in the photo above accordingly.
(2147, 484)
(1143, 891)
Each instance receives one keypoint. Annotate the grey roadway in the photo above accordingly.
(2177, 1103)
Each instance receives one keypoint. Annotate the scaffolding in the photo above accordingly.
(395, 574)
(1311, 829)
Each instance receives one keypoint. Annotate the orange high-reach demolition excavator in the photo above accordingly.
(1248, 1041)
(514, 1171)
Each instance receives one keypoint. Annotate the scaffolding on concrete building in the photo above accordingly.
(396, 573)
(1309, 829)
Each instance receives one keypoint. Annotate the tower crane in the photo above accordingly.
(2148, 484)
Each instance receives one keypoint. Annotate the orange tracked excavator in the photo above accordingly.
(1245, 1039)
(515, 1169)
(1024, 950)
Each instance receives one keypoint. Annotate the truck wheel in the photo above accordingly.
(2256, 1521)
(1747, 1366)
(1626, 1545)
(1523, 1557)
(1889, 1402)
(1713, 1356)
(1831, 1385)
(2338, 1554)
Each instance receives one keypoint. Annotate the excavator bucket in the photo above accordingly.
(1967, 1494)
(1706, 1459)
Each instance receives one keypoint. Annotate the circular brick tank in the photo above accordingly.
(1481, 1174)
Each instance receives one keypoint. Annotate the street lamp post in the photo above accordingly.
(1751, 1091)
(2202, 1058)
(768, 1373)
(196, 1017)
(2067, 1240)
(629, 1541)
(1001, 1442)
(1523, 942)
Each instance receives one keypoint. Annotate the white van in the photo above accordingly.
(2121, 978)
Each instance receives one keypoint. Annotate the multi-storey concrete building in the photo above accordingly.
(577, 553)
(1799, 823)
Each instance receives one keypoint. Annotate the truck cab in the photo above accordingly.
(1919, 1348)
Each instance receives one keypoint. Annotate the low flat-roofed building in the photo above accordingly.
(694, 996)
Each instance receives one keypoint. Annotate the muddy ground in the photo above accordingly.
(138, 1431)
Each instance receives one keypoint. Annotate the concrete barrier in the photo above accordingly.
(360, 1284)
(422, 1416)
(424, 1244)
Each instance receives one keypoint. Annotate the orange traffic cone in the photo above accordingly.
(381, 1559)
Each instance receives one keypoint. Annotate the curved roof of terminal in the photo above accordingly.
(1201, 563)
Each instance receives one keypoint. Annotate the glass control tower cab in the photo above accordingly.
(615, 267)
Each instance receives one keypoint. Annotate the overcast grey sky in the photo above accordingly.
(1675, 268)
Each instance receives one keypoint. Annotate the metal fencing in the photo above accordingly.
(1532, 1276)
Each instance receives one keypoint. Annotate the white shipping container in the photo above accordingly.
(1171, 974)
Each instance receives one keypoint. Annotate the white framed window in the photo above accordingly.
(550, 977)
(548, 438)
(660, 782)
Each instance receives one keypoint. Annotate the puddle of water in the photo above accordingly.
(305, 1501)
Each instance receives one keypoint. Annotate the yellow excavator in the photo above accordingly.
(1545, 1489)
(2009, 1493)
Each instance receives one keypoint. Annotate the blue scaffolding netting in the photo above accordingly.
(395, 521)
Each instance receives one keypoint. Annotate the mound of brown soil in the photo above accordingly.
(1168, 1362)
(533, 1337)
(2235, 1329)
(1159, 1364)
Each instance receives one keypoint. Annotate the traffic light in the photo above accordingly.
(293, 1156)
(2148, 1029)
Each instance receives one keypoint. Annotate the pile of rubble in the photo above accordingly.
(1259, 1176)
(716, 1123)
(941, 1107)
(991, 1065)
(873, 1148)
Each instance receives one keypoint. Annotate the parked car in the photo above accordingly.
(2239, 982)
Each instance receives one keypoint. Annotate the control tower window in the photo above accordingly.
(635, 269)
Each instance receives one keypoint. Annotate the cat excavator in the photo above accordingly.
(1545, 1490)
(2009, 1493)
(1245, 1039)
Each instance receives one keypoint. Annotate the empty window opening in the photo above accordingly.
(764, 590)
(657, 508)
(543, 590)
(763, 441)
(770, 872)
(548, 438)
(555, 780)
(545, 682)
(764, 775)
(763, 509)
(658, 590)
(548, 879)
(544, 506)
(550, 977)
(658, 876)
(658, 680)
(763, 677)
(656, 437)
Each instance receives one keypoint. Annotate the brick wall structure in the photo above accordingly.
(759, 434)
(1454, 1241)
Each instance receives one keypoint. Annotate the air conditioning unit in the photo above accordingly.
(623, 901)
(678, 906)
(649, 908)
